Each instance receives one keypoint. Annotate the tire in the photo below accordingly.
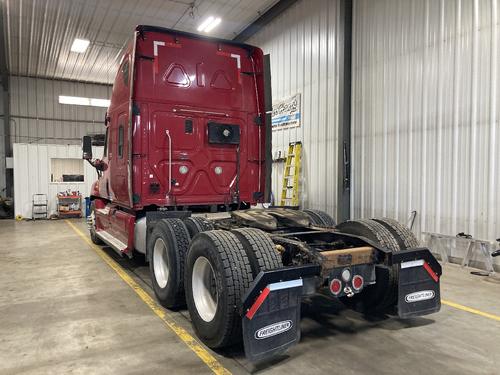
(167, 247)
(260, 250)
(196, 224)
(320, 218)
(218, 273)
(92, 226)
(382, 296)
(405, 237)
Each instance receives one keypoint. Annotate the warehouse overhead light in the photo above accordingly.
(80, 45)
(99, 102)
(212, 25)
(209, 24)
(77, 100)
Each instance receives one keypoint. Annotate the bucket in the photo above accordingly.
(87, 206)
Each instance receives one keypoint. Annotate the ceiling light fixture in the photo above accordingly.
(205, 23)
(212, 25)
(77, 100)
(80, 45)
(209, 24)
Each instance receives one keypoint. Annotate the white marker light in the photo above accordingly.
(80, 45)
(205, 23)
(346, 274)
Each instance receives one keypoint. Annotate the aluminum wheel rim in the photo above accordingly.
(160, 263)
(204, 288)
(91, 221)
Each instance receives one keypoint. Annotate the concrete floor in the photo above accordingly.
(63, 310)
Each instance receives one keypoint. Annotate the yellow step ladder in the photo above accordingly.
(291, 175)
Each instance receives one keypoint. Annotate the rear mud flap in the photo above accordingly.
(418, 292)
(271, 312)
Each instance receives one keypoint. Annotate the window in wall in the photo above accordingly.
(66, 170)
(120, 141)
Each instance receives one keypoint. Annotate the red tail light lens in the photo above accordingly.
(357, 282)
(336, 286)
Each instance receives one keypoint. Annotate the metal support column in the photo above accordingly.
(344, 42)
(5, 97)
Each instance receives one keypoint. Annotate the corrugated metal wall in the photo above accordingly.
(32, 169)
(425, 114)
(304, 59)
(37, 116)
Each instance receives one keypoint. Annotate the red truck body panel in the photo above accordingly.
(158, 149)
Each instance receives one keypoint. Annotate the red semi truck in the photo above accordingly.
(184, 175)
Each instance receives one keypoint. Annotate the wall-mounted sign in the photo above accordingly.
(286, 113)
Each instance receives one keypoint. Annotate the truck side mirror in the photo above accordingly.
(87, 147)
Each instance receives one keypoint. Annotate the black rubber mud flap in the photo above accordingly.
(271, 311)
(419, 292)
(272, 324)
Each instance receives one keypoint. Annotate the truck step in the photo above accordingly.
(112, 241)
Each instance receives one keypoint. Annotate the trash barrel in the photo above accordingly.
(87, 206)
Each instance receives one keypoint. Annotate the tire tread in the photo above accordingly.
(260, 250)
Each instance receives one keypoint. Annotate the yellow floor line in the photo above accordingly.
(189, 340)
(471, 310)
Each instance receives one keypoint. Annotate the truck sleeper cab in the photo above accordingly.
(188, 131)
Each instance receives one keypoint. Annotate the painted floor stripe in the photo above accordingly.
(189, 340)
(471, 310)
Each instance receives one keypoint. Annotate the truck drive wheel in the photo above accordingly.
(92, 225)
(320, 218)
(218, 273)
(260, 250)
(197, 224)
(405, 237)
(166, 248)
(380, 297)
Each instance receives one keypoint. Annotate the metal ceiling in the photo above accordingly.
(39, 33)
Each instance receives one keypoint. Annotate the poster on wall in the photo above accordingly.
(286, 113)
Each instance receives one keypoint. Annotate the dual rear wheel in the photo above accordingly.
(382, 296)
(209, 272)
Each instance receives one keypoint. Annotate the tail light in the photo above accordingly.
(336, 286)
(357, 282)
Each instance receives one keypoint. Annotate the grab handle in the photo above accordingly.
(169, 162)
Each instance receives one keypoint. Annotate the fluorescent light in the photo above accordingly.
(80, 45)
(212, 25)
(76, 100)
(209, 24)
(99, 102)
(205, 23)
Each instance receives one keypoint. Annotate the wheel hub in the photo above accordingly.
(160, 263)
(204, 288)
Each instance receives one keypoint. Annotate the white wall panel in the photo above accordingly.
(304, 59)
(37, 116)
(425, 112)
(32, 174)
